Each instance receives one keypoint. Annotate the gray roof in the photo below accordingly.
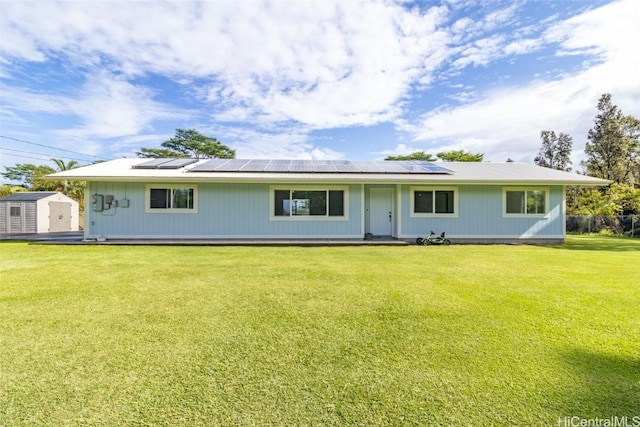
(456, 173)
(27, 196)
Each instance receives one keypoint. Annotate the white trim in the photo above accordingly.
(398, 213)
(362, 210)
(345, 202)
(161, 185)
(224, 236)
(526, 215)
(432, 188)
(386, 189)
(563, 215)
(87, 213)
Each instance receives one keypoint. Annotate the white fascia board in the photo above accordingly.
(273, 178)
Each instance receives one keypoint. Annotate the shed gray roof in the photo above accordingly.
(460, 173)
(27, 196)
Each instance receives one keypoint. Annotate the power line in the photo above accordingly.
(38, 154)
(23, 156)
(54, 148)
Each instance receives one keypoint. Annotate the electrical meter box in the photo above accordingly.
(123, 203)
(97, 202)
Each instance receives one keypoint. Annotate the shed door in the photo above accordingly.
(16, 218)
(59, 216)
(381, 215)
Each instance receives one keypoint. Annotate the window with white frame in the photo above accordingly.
(171, 198)
(14, 211)
(430, 201)
(302, 203)
(525, 201)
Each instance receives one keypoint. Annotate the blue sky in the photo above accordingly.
(310, 79)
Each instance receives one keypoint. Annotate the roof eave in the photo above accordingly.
(330, 178)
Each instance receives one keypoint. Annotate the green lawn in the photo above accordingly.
(200, 336)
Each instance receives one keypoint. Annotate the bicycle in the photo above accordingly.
(432, 239)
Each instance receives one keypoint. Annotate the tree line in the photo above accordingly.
(612, 152)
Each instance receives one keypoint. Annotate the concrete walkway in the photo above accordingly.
(44, 237)
(77, 238)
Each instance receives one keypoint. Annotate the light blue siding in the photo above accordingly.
(242, 210)
(224, 210)
(480, 215)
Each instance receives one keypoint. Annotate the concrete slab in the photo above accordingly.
(224, 242)
(77, 238)
(44, 237)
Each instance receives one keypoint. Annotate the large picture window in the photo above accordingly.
(171, 198)
(525, 202)
(305, 203)
(434, 201)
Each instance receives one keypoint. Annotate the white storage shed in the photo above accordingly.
(38, 212)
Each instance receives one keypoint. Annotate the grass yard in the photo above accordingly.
(201, 336)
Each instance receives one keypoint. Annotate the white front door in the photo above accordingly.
(381, 212)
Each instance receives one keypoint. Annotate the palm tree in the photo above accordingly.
(62, 166)
(74, 189)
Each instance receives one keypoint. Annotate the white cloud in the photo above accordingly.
(466, 29)
(292, 143)
(507, 122)
(315, 63)
(499, 17)
(270, 72)
(335, 71)
(106, 106)
(481, 52)
(522, 46)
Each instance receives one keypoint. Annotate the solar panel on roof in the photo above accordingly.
(165, 163)
(395, 168)
(152, 164)
(363, 166)
(278, 166)
(320, 166)
(324, 166)
(232, 165)
(301, 166)
(344, 166)
(209, 166)
(255, 165)
(413, 167)
(422, 167)
(176, 163)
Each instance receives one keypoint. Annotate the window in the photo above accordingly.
(305, 203)
(434, 202)
(520, 201)
(171, 198)
(14, 211)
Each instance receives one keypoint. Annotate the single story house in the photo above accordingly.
(332, 199)
(38, 212)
